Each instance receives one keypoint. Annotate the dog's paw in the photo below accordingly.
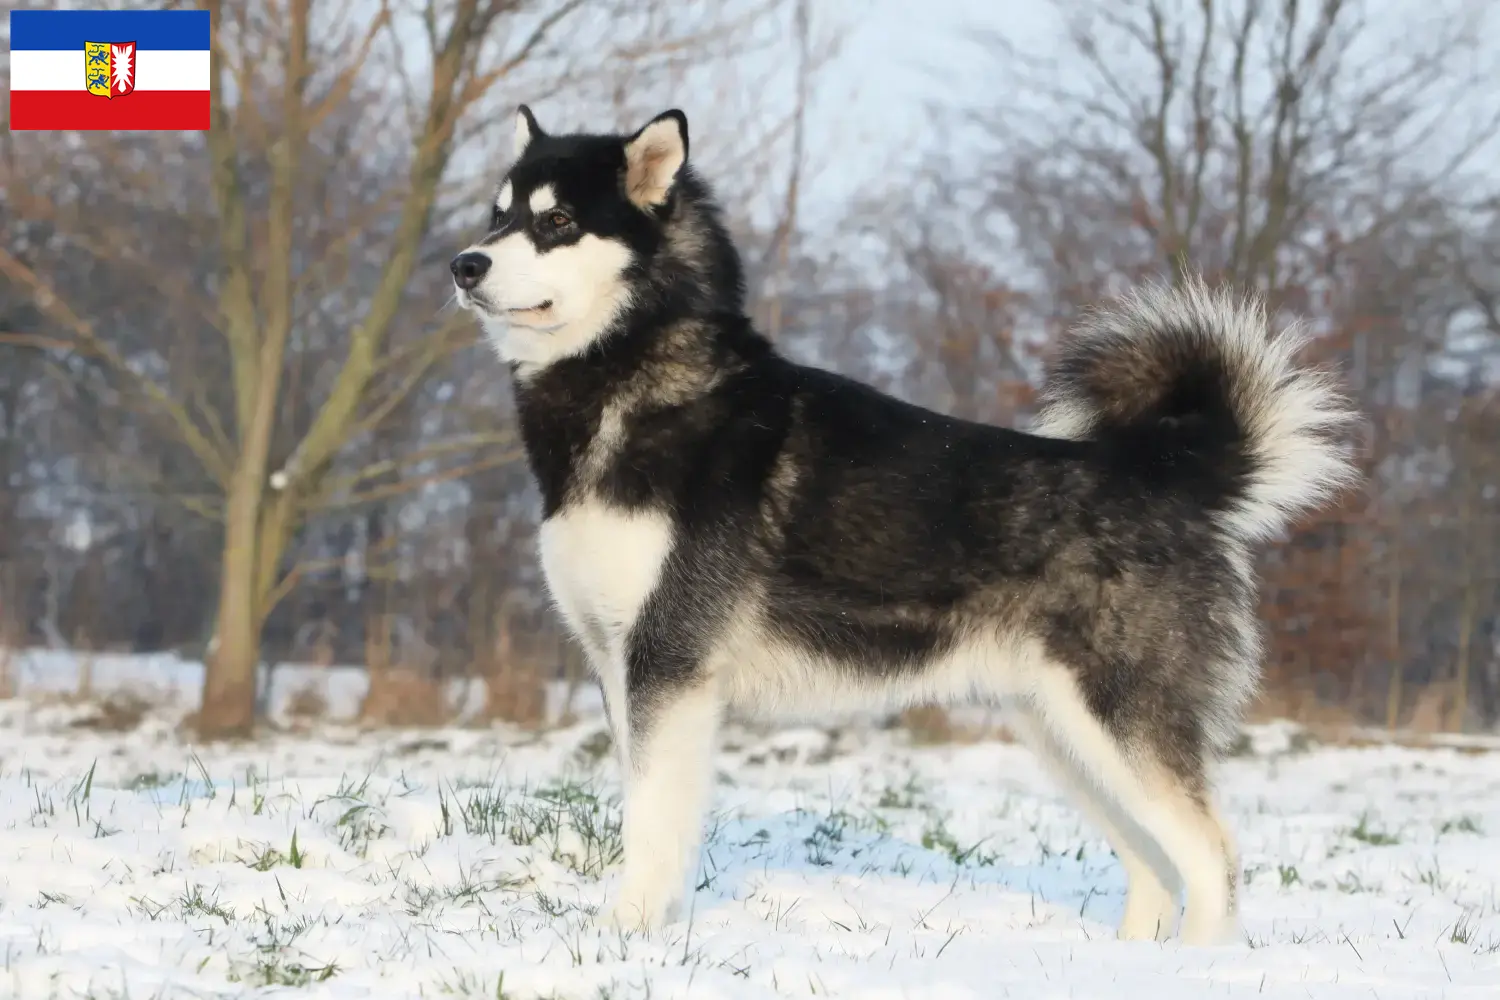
(640, 907)
(1213, 933)
(630, 919)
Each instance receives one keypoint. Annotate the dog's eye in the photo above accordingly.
(557, 220)
(497, 219)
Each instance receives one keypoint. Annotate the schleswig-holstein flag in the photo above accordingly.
(137, 70)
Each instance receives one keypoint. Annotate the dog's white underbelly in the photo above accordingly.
(764, 677)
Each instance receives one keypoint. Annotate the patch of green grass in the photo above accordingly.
(81, 797)
(1464, 824)
(905, 796)
(277, 961)
(276, 970)
(1351, 884)
(192, 903)
(567, 819)
(1433, 878)
(359, 825)
(1463, 929)
(147, 780)
(827, 837)
(464, 984)
(936, 837)
(43, 809)
(269, 857)
(595, 747)
(1367, 834)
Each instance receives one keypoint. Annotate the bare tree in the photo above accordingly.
(1248, 140)
(1319, 151)
(344, 143)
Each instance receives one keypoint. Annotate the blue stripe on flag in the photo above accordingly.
(67, 30)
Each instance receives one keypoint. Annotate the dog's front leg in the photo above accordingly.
(673, 723)
(673, 701)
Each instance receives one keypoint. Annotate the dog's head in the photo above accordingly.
(581, 228)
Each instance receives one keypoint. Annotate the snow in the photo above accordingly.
(169, 679)
(468, 862)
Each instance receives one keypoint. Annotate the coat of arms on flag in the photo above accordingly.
(109, 68)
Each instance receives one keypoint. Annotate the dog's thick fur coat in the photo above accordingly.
(724, 527)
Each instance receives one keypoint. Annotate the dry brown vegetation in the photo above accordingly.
(401, 696)
(307, 705)
(116, 712)
(228, 354)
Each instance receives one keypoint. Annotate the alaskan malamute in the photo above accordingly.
(724, 527)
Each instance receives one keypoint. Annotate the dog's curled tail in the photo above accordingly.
(1206, 369)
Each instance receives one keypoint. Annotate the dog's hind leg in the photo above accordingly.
(1186, 824)
(1159, 791)
(1150, 906)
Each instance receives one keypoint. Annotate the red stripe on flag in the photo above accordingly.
(143, 110)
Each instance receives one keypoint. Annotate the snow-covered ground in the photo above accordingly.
(469, 862)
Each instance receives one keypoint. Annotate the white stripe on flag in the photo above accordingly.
(156, 69)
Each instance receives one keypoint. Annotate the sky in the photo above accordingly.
(902, 56)
(899, 58)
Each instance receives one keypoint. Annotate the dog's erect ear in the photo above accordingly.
(653, 156)
(526, 129)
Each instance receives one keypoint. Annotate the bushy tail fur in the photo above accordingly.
(1164, 357)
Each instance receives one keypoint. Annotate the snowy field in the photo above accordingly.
(469, 863)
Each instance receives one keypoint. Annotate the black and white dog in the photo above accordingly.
(726, 528)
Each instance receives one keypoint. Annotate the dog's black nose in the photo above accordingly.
(468, 269)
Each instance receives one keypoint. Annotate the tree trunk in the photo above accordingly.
(1393, 693)
(228, 709)
(1467, 613)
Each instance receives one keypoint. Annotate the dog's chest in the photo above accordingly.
(601, 563)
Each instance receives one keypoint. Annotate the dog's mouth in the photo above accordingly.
(530, 312)
(518, 314)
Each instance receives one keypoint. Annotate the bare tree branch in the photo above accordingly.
(88, 341)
